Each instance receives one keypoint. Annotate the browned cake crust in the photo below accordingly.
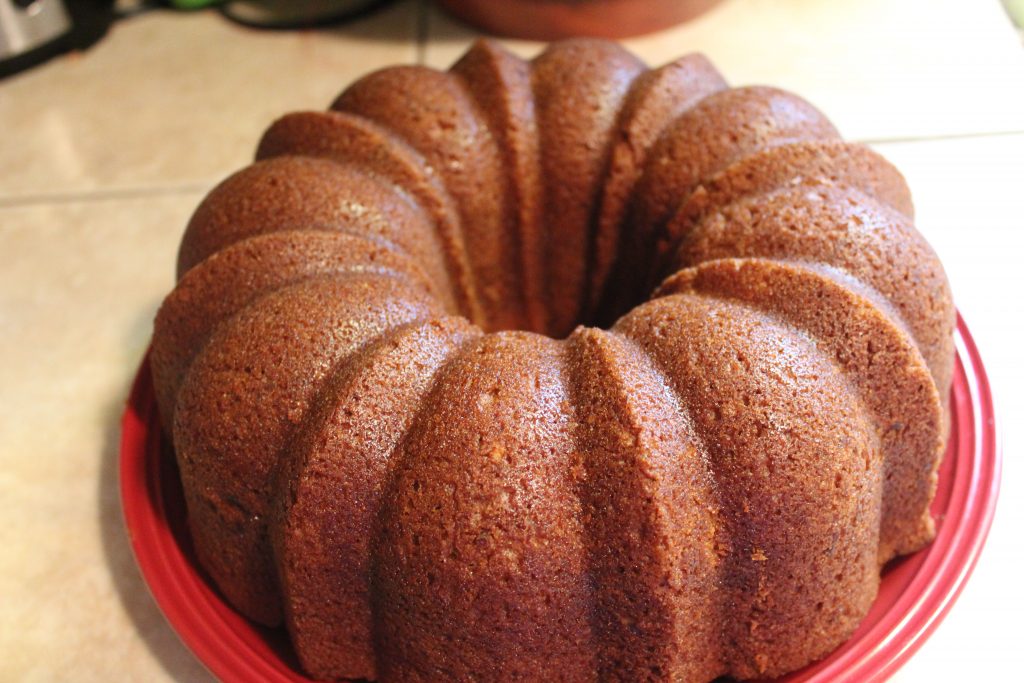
(243, 272)
(433, 112)
(299, 193)
(706, 487)
(720, 129)
(358, 141)
(265, 367)
(844, 228)
(657, 98)
(784, 433)
(877, 355)
(579, 86)
(481, 542)
(331, 485)
(500, 83)
(653, 554)
(809, 164)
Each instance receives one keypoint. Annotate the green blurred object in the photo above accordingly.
(1015, 8)
(192, 4)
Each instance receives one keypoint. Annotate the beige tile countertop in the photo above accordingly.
(103, 155)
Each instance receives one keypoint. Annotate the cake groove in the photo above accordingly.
(305, 197)
(805, 164)
(840, 227)
(650, 516)
(352, 139)
(329, 488)
(434, 114)
(578, 87)
(242, 272)
(267, 364)
(480, 541)
(500, 83)
(876, 355)
(764, 401)
(655, 99)
(704, 139)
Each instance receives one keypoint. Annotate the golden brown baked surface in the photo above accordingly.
(565, 369)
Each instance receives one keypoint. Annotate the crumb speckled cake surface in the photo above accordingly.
(563, 369)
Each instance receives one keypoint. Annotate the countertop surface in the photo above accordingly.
(104, 154)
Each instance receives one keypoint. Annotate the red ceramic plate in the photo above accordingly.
(916, 591)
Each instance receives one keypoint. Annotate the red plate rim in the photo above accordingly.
(916, 592)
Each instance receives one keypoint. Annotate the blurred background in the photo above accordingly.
(117, 117)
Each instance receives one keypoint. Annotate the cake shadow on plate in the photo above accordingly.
(150, 624)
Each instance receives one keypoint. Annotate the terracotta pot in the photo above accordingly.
(554, 19)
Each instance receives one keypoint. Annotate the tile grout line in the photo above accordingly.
(113, 194)
(17, 202)
(937, 138)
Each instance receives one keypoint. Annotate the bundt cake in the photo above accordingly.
(564, 369)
